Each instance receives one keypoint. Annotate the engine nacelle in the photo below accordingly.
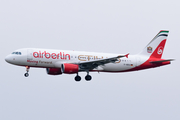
(53, 71)
(69, 68)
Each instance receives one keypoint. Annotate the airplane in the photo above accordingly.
(59, 62)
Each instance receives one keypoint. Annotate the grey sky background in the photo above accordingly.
(109, 26)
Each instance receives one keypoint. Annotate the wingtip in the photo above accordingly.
(123, 56)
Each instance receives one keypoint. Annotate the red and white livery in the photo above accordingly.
(58, 62)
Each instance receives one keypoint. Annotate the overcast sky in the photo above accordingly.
(110, 26)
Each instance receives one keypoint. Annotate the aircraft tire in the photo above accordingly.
(26, 74)
(88, 77)
(77, 78)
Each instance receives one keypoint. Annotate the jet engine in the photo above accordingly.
(53, 71)
(69, 68)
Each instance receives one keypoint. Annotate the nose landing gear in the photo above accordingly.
(27, 70)
(26, 74)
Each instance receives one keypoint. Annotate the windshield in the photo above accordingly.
(17, 53)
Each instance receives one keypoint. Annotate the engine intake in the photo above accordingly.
(69, 68)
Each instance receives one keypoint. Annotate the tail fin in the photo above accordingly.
(156, 46)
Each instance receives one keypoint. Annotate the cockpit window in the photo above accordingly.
(17, 53)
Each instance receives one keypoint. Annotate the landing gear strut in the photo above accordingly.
(27, 70)
(77, 78)
(88, 77)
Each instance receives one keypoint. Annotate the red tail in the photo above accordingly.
(159, 50)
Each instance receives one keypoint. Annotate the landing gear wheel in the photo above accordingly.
(26, 74)
(88, 77)
(77, 78)
(27, 70)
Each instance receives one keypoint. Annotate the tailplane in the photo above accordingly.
(156, 47)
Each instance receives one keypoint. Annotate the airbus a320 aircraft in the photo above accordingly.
(57, 62)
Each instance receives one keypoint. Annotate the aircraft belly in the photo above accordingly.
(117, 67)
(124, 64)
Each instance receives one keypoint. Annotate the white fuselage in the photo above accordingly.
(48, 58)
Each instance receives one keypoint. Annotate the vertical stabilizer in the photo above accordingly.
(156, 46)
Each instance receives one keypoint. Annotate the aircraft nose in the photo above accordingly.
(8, 59)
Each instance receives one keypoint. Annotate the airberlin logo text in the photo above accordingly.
(60, 55)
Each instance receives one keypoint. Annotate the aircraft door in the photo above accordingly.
(29, 54)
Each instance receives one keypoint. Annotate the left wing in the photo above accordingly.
(93, 64)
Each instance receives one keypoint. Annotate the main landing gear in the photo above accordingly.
(27, 70)
(87, 77)
(77, 78)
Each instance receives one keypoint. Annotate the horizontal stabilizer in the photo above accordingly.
(161, 61)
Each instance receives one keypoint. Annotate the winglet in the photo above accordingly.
(126, 55)
(120, 56)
